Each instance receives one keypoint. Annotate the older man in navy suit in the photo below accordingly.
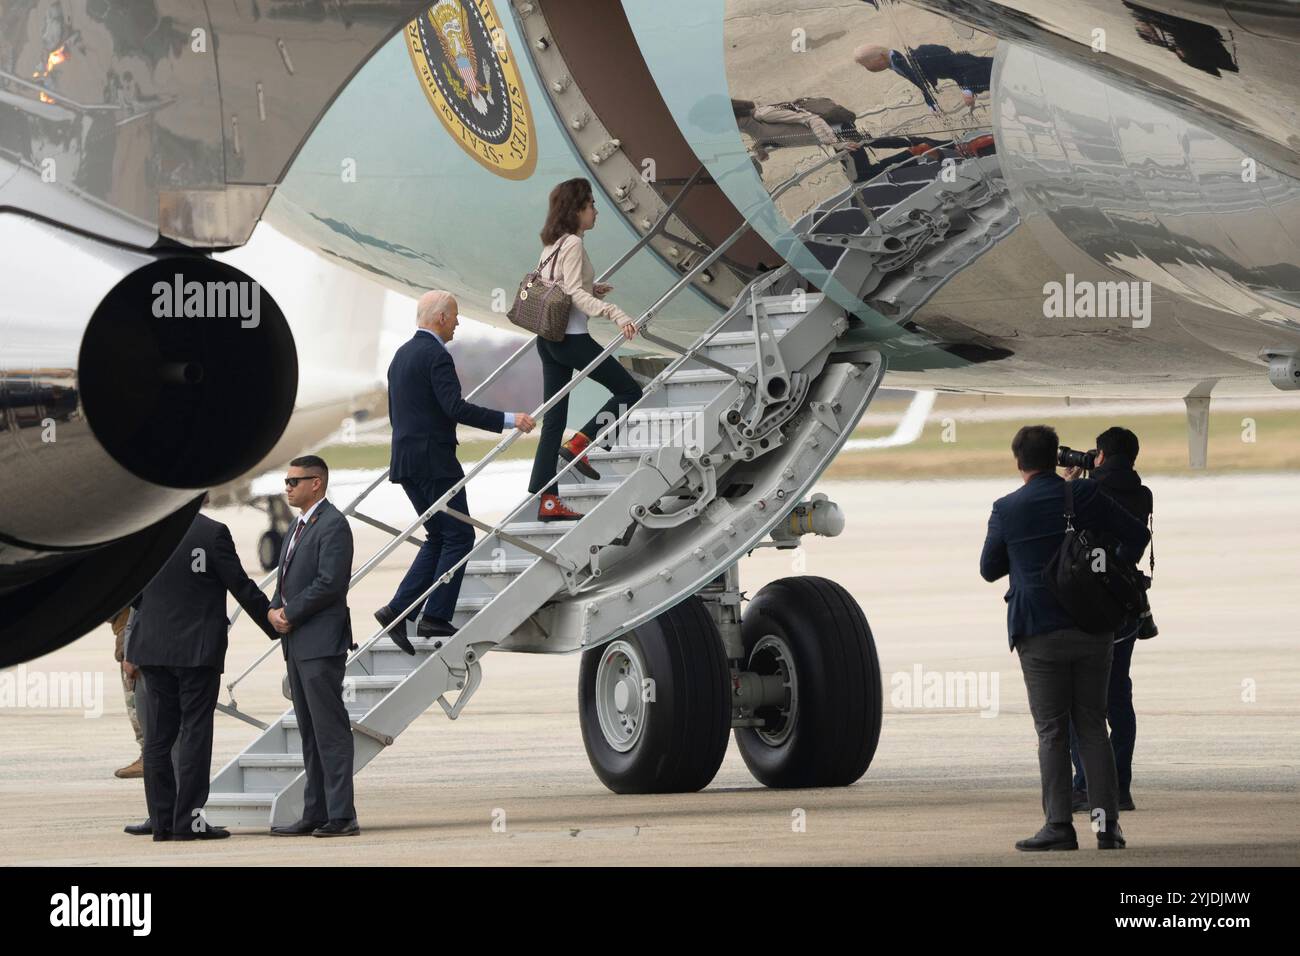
(1066, 670)
(424, 407)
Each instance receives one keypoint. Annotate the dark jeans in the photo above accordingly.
(1122, 720)
(1066, 673)
(863, 168)
(182, 701)
(316, 685)
(446, 541)
(559, 361)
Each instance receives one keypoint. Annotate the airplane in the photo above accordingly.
(1100, 199)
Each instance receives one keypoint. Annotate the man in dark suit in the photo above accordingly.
(929, 63)
(1065, 669)
(424, 407)
(310, 614)
(179, 645)
(1117, 450)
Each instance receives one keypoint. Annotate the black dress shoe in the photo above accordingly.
(139, 829)
(386, 616)
(1112, 838)
(210, 833)
(161, 836)
(338, 828)
(1126, 801)
(1079, 801)
(301, 828)
(434, 627)
(1054, 836)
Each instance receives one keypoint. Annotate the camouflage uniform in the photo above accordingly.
(128, 683)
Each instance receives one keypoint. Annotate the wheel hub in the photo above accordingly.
(619, 708)
(772, 656)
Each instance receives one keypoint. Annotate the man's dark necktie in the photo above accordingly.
(293, 542)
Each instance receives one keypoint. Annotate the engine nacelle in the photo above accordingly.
(130, 381)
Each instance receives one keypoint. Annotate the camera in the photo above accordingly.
(1069, 458)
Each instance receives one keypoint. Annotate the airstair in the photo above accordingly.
(720, 452)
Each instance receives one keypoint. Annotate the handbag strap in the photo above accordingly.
(1069, 506)
(551, 258)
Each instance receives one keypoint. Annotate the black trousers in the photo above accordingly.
(559, 361)
(1066, 675)
(182, 701)
(317, 688)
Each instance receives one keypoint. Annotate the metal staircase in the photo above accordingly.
(725, 443)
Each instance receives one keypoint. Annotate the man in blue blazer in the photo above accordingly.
(424, 407)
(1066, 670)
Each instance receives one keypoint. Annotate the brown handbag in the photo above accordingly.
(541, 306)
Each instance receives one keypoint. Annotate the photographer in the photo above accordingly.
(1112, 468)
(1065, 668)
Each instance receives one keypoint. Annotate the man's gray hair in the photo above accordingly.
(431, 305)
(870, 53)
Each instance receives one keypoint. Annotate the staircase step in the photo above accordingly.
(363, 691)
(422, 645)
(239, 808)
(588, 489)
(658, 413)
(733, 339)
(696, 376)
(490, 567)
(694, 385)
(535, 529)
(270, 772)
(273, 761)
(240, 799)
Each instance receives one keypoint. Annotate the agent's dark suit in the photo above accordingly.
(1065, 669)
(424, 407)
(312, 588)
(179, 643)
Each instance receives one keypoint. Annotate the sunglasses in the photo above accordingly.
(293, 482)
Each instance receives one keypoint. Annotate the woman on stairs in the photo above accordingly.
(572, 212)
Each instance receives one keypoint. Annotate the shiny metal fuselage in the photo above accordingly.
(1112, 181)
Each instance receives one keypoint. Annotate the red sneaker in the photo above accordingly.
(575, 448)
(551, 508)
(979, 146)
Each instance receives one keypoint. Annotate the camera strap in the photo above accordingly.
(1069, 506)
(1151, 555)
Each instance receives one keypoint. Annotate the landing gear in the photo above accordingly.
(655, 704)
(268, 545)
(811, 668)
(268, 549)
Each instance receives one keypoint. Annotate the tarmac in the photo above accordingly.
(953, 782)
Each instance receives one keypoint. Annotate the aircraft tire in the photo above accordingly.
(674, 741)
(812, 632)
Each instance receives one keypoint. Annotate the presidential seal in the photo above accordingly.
(464, 63)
